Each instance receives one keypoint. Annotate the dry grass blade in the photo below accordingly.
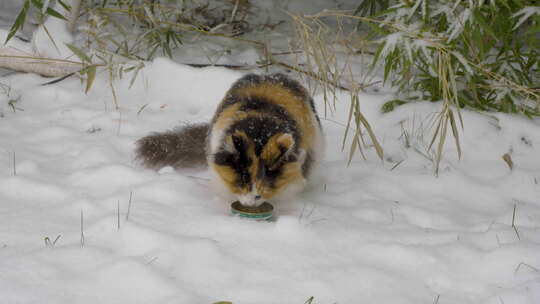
(439, 123)
(348, 126)
(446, 116)
(454, 131)
(321, 46)
(374, 140)
(442, 139)
(358, 134)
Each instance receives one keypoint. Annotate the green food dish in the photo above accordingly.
(262, 212)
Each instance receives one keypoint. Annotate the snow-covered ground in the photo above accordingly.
(363, 233)
(81, 222)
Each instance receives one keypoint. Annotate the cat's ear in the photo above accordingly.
(278, 149)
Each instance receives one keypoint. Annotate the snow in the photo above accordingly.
(360, 232)
(371, 232)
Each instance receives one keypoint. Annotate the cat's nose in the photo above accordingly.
(258, 197)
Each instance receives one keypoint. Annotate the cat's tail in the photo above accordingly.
(182, 147)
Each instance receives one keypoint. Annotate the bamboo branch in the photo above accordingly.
(75, 10)
(17, 60)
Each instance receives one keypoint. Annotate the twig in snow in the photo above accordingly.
(14, 165)
(151, 261)
(118, 215)
(513, 222)
(141, 109)
(82, 229)
(50, 244)
(397, 164)
(129, 205)
(525, 264)
(119, 122)
(58, 79)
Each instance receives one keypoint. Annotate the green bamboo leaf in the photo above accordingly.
(79, 53)
(483, 23)
(64, 5)
(56, 14)
(377, 55)
(135, 74)
(50, 37)
(91, 74)
(50, 11)
(389, 106)
(19, 21)
(390, 58)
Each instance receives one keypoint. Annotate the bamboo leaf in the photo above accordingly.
(64, 5)
(442, 139)
(436, 131)
(483, 23)
(19, 21)
(378, 147)
(348, 127)
(91, 76)
(135, 74)
(56, 14)
(50, 11)
(51, 38)
(79, 53)
(454, 131)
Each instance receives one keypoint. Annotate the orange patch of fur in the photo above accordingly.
(228, 176)
(271, 151)
(228, 115)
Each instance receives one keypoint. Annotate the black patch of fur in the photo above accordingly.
(239, 161)
(260, 104)
(280, 79)
(253, 80)
(182, 147)
(261, 128)
(271, 175)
